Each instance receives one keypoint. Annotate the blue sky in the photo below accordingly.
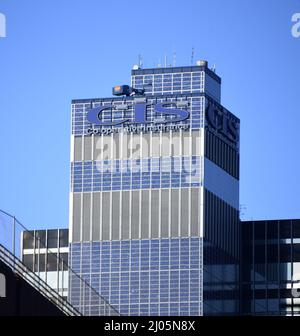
(59, 50)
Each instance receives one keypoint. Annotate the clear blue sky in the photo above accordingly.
(59, 50)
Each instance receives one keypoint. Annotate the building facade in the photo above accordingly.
(270, 267)
(46, 253)
(154, 201)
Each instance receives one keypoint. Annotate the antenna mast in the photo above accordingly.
(174, 59)
(140, 60)
(192, 56)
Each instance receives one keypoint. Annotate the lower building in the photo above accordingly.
(45, 252)
(270, 267)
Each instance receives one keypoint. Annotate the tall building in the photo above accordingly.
(270, 267)
(154, 201)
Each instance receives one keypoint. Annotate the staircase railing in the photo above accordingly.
(91, 302)
(35, 281)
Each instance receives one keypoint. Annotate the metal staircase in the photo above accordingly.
(10, 245)
(35, 281)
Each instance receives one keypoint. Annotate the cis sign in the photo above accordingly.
(222, 123)
(140, 117)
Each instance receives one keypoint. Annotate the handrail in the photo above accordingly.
(19, 268)
(85, 287)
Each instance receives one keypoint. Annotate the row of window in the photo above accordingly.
(45, 239)
(272, 229)
(86, 176)
(50, 262)
(170, 82)
(116, 244)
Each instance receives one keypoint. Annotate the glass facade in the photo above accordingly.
(154, 205)
(143, 277)
(166, 172)
(270, 268)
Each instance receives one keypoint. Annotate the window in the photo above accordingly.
(272, 253)
(296, 229)
(52, 238)
(63, 261)
(39, 263)
(63, 238)
(285, 253)
(40, 239)
(259, 230)
(52, 262)
(28, 261)
(296, 252)
(272, 229)
(285, 229)
(28, 240)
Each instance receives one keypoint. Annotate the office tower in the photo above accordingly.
(154, 201)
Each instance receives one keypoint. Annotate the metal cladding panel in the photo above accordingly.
(145, 210)
(165, 213)
(117, 147)
(174, 212)
(184, 209)
(88, 148)
(195, 211)
(86, 221)
(76, 224)
(115, 215)
(154, 213)
(155, 145)
(125, 214)
(106, 216)
(96, 217)
(135, 214)
(78, 148)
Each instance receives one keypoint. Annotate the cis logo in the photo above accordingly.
(140, 115)
(221, 122)
(2, 286)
